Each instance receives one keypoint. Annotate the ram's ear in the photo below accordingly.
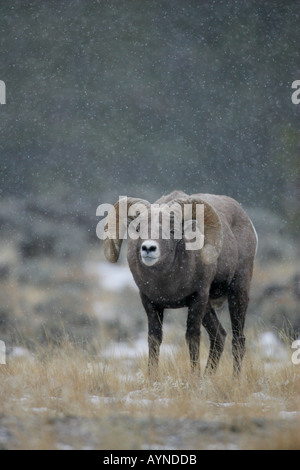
(192, 235)
(116, 226)
(213, 232)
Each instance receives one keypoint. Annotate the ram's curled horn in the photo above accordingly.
(116, 225)
(213, 232)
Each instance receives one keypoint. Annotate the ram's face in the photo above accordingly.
(156, 236)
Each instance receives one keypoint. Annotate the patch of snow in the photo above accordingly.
(64, 447)
(20, 352)
(98, 400)
(226, 405)
(41, 409)
(112, 277)
(133, 398)
(136, 398)
(122, 350)
(270, 347)
(143, 402)
(289, 414)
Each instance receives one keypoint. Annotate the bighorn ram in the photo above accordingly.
(170, 276)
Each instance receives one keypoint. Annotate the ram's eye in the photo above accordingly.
(137, 229)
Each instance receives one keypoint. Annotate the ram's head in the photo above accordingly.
(155, 230)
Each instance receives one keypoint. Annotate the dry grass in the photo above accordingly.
(46, 396)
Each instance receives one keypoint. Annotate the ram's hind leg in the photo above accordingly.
(217, 336)
(238, 298)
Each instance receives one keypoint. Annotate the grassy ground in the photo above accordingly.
(65, 398)
(58, 394)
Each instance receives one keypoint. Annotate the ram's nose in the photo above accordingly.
(150, 252)
(149, 247)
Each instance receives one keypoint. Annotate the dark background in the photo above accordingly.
(128, 97)
(137, 98)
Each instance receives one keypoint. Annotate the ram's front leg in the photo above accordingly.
(155, 334)
(196, 313)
